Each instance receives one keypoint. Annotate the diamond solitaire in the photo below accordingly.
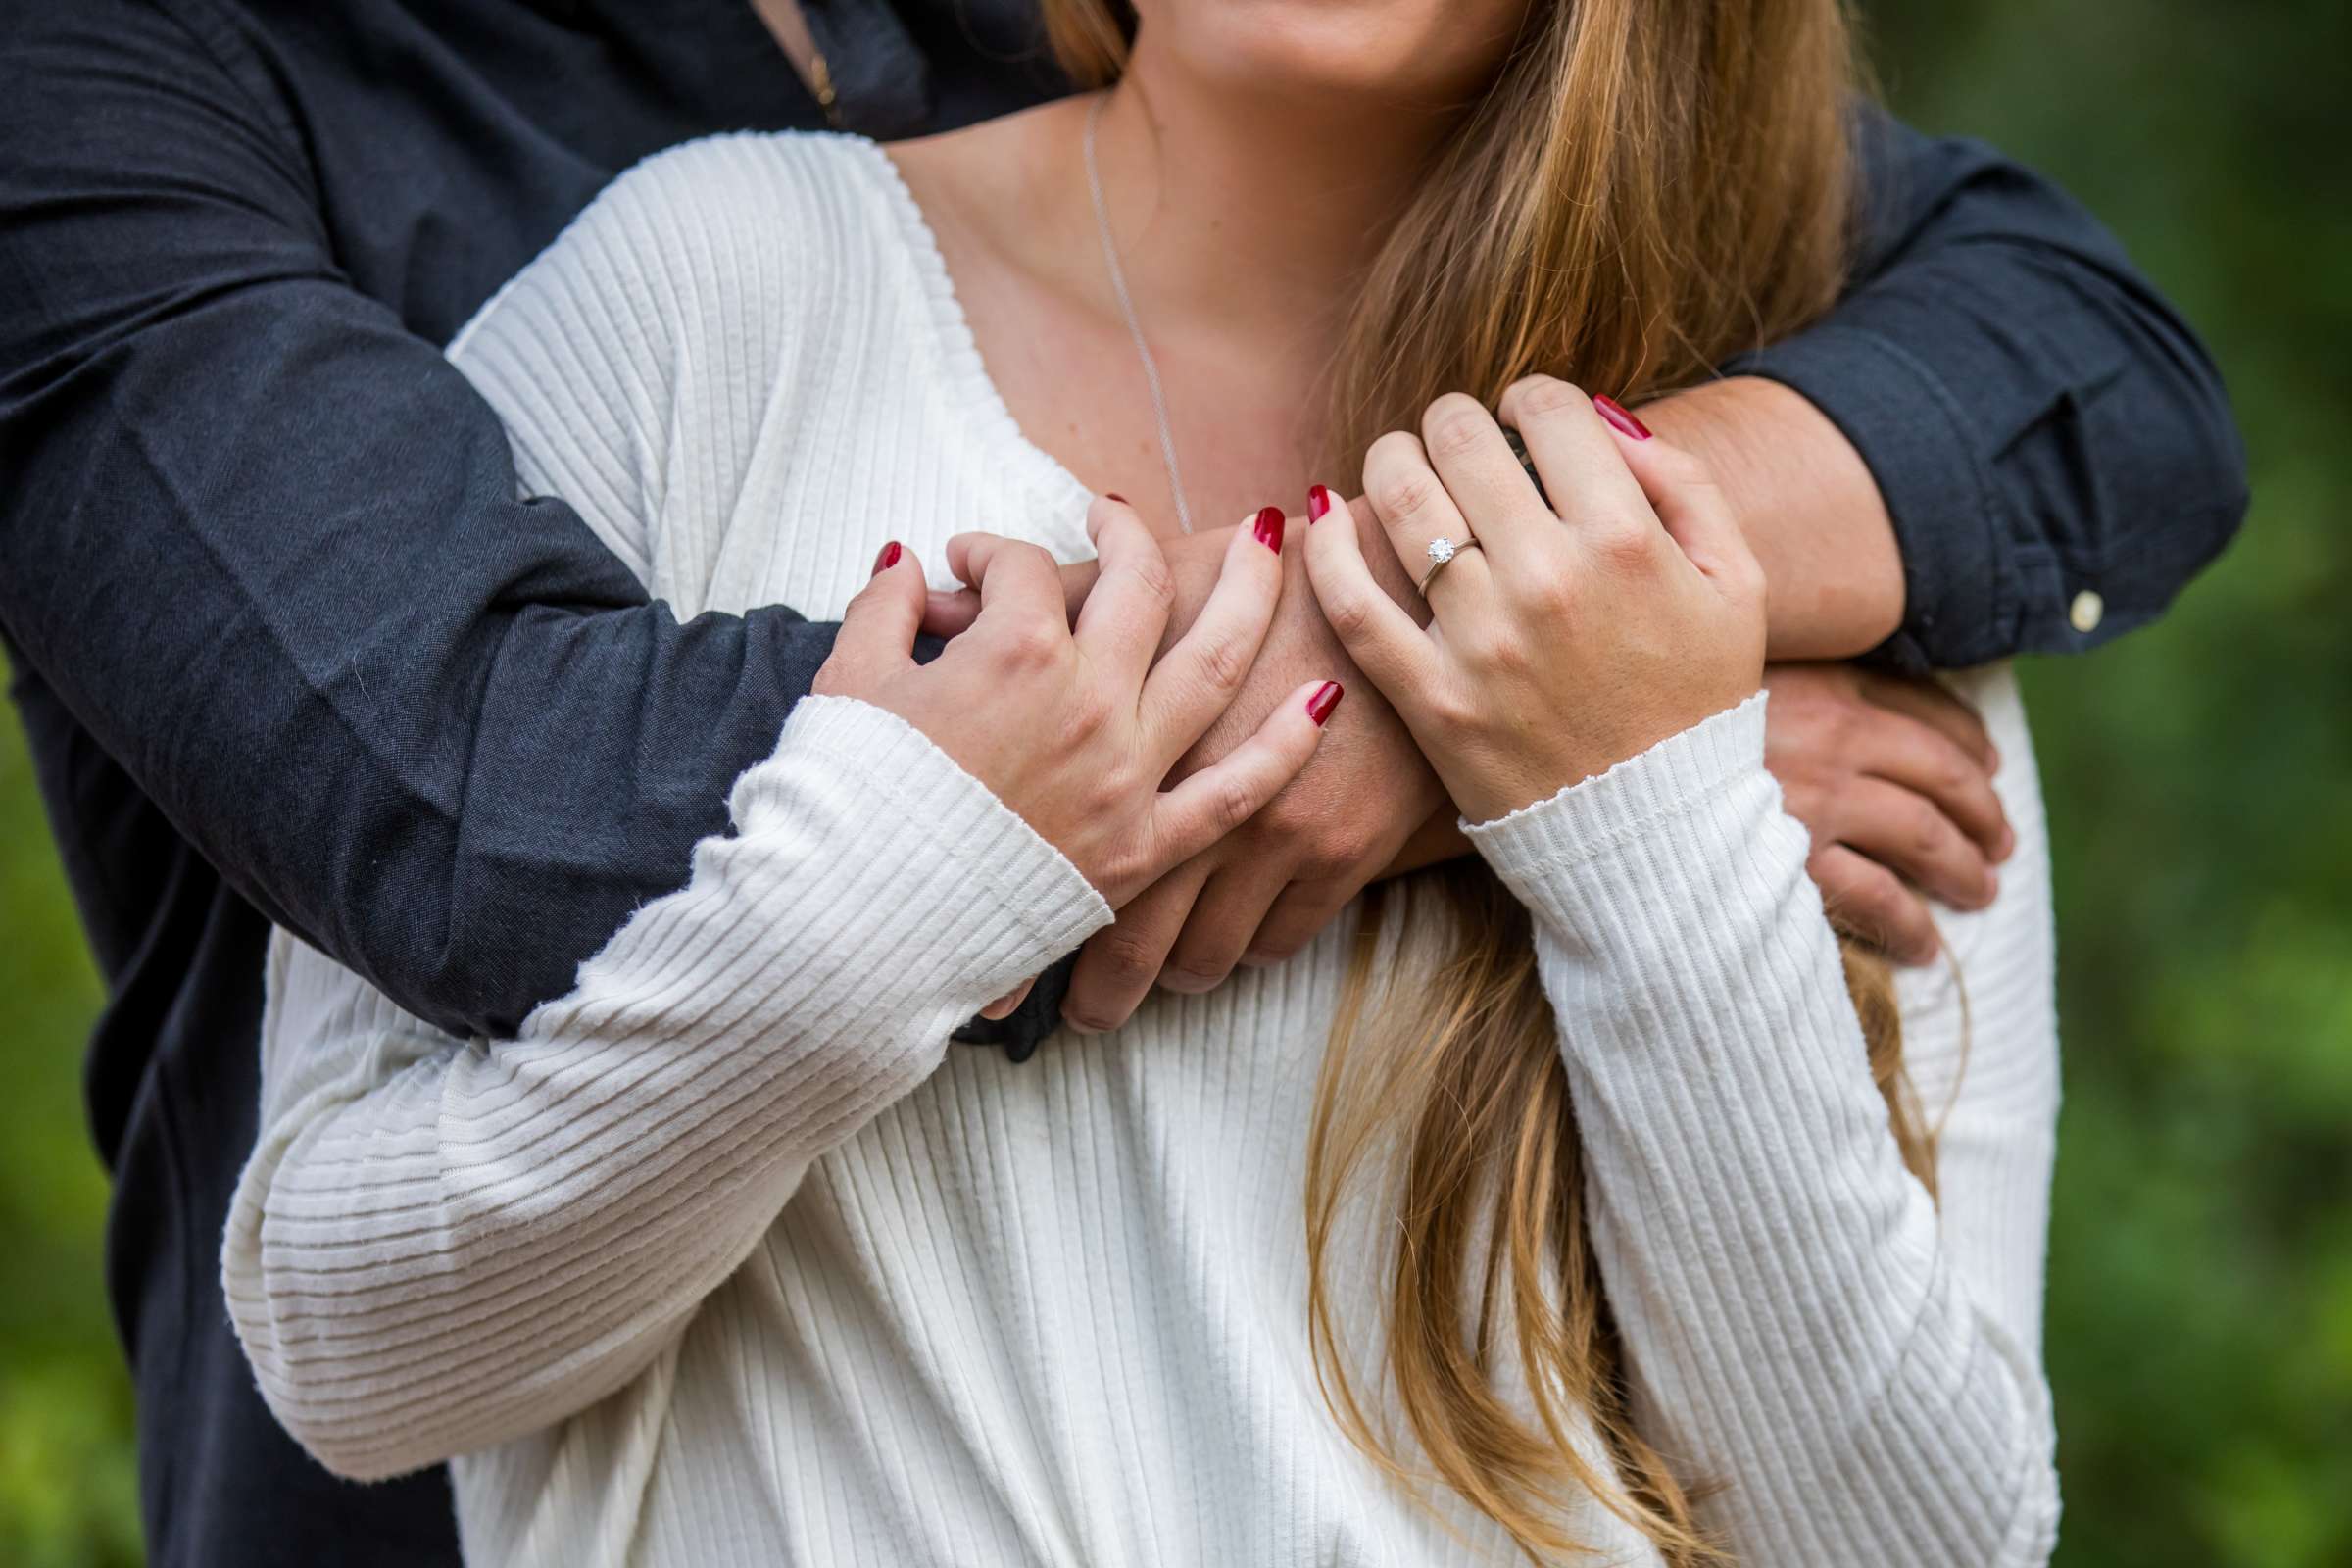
(1443, 550)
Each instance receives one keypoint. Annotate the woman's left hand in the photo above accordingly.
(1569, 641)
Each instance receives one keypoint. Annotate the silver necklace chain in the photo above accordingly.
(1135, 327)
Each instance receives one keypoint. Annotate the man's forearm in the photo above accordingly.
(1809, 506)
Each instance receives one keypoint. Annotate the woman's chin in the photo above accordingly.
(1432, 52)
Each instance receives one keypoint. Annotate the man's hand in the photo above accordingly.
(1264, 890)
(1893, 778)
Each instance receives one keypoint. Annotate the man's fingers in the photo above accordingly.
(1118, 967)
(1222, 921)
(877, 629)
(1227, 793)
(1921, 758)
(1004, 1006)
(1910, 834)
(1385, 642)
(1870, 901)
(1120, 627)
(1197, 679)
(1297, 918)
(1935, 705)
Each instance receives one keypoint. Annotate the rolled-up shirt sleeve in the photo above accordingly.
(269, 548)
(2054, 445)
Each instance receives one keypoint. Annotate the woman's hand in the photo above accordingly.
(1569, 641)
(1076, 728)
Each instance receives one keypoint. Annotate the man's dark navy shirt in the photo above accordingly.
(288, 647)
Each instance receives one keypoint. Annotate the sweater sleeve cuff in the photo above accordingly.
(1709, 774)
(933, 840)
(1959, 604)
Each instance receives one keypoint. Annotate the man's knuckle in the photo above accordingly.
(1128, 957)
(1925, 829)
(1088, 1018)
(1186, 973)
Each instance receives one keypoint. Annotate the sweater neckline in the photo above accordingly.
(973, 390)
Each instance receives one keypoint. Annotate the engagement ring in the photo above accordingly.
(1442, 552)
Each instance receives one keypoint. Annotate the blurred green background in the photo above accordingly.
(2200, 776)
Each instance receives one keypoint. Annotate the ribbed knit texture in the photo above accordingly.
(729, 1262)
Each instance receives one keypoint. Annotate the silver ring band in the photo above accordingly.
(1442, 552)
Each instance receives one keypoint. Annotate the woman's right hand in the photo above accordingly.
(1075, 729)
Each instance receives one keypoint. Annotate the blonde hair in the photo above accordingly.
(1646, 188)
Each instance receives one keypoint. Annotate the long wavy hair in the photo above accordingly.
(1646, 188)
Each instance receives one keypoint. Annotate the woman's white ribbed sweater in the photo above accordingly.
(730, 1261)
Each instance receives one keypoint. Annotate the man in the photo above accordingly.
(233, 234)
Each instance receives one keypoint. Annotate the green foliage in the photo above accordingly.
(2200, 1306)
(2200, 1324)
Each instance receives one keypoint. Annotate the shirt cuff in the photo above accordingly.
(1959, 604)
(1001, 901)
(1643, 812)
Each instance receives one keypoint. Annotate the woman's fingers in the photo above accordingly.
(951, 614)
(1569, 444)
(1496, 500)
(1018, 584)
(1385, 642)
(1684, 494)
(1413, 507)
(877, 629)
(1227, 793)
(1194, 682)
(1004, 1006)
(1120, 624)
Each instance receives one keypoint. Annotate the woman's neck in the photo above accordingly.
(1242, 224)
(1236, 212)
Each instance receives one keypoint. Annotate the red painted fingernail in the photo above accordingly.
(1269, 529)
(1326, 697)
(1114, 495)
(1615, 413)
(1318, 502)
(888, 559)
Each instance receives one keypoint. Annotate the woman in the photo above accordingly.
(1572, 1217)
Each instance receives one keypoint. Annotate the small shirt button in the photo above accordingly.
(2085, 612)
